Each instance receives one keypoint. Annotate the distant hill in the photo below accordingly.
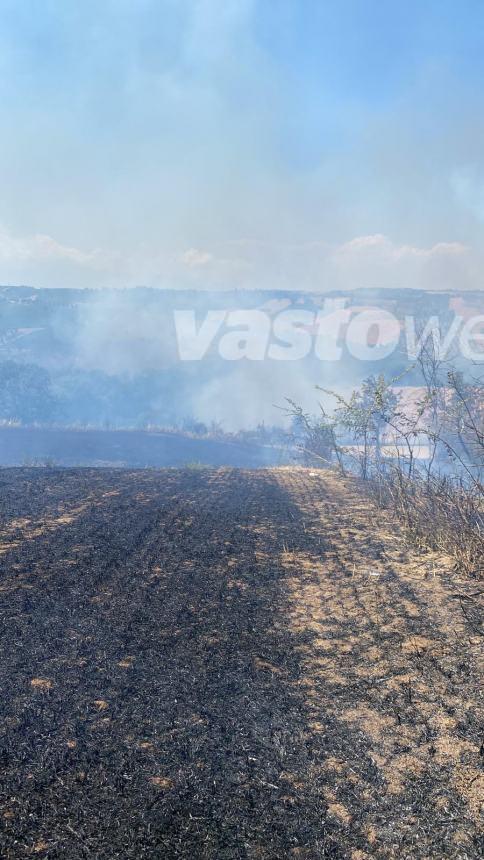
(119, 357)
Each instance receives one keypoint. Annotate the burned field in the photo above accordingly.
(228, 664)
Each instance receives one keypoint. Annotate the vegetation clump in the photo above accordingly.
(418, 452)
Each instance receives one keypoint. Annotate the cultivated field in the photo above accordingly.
(224, 664)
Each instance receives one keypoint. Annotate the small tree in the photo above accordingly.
(314, 438)
(364, 417)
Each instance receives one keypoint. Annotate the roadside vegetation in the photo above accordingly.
(421, 456)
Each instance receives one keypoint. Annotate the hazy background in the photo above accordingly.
(214, 144)
(206, 154)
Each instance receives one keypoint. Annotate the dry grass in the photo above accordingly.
(436, 512)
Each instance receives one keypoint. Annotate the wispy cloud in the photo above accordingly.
(42, 248)
(194, 258)
(373, 260)
(376, 260)
(363, 261)
(382, 248)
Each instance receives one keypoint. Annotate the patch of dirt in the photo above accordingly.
(225, 664)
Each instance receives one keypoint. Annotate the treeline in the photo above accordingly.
(29, 394)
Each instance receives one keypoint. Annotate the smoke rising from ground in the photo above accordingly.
(135, 358)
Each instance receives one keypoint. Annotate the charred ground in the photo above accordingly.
(228, 664)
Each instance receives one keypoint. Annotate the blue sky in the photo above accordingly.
(242, 143)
